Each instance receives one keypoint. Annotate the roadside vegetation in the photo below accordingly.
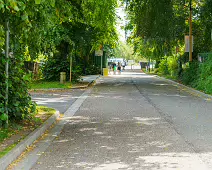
(49, 37)
(46, 38)
(36, 85)
(17, 131)
(49, 85)
(159, 36)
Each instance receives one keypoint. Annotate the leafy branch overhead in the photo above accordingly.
(41, 27)
(160, 25)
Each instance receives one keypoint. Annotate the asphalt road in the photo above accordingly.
(134, 121)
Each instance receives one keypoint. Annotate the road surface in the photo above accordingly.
(132, 121)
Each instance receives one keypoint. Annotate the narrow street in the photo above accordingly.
(133, 121)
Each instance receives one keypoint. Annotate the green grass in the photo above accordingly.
(15, 128)
(4, 133)
(49, 85)
(7, 150)
(49, 111)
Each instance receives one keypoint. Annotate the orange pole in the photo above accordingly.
(190, 34)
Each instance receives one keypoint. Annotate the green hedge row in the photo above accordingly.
(19, 102)
(195, 74)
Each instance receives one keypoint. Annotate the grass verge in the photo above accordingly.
(49, 85)
(17, 131)
(173, 78)
(39, 85)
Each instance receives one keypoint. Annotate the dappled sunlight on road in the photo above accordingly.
(118, 126)
(132, 144)
(141, 75)
(166, 161)
(161, 84)
(128, 144)
(175, 95)
(112, 166)
(128, 74)
(146, 121)
(43, 101)
(60, 100)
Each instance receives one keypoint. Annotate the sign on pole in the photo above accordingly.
(187, 44)
(99, 53)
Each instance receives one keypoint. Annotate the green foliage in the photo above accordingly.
(3, 117)
(19, 104)
(52, 68)
(76, 73)
(48, 85)
(191, 74)
(158, 27)
(204, 81)
(92, 70)
(163, 67)
(123, 50)
(198, 75)
(40, 27)
(173, 66)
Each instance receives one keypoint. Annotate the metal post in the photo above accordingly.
(70, 66)
(72, 53)
(7, 68)
(190, 34)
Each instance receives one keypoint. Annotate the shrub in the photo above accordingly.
(173, 66)
(93, 70)
(156, 70)
(190, 74)
(76, 73)
(163, 67)
(19, 101)
(204, 82)
(52, 68)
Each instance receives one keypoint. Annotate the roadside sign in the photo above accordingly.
(187, 44)
(99, 53)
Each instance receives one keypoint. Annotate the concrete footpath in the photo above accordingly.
(131, 121)
(61, 101)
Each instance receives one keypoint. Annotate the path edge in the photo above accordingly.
(191, 90)
(6, 160)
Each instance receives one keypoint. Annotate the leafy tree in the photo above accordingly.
(92, 24)
(123, 50)
(61, 28)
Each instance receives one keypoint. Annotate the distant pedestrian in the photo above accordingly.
(123, 65)
(119, 67)
(110, 68)
(141, 65)
(114, 68)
